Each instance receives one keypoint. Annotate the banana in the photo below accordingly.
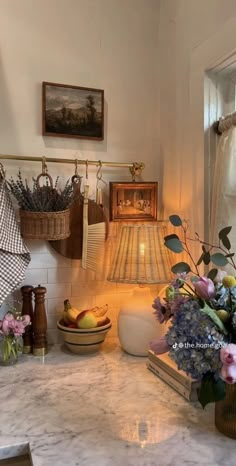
(70, 313)
(100, 311)
(102, 321)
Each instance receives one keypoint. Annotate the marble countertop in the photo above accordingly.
(106, 409)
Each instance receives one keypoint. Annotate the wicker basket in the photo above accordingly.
(45, 225)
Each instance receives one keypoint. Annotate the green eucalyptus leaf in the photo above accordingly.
(214, 317)
(200, 259)
(173, 243)
(212, 274)
(211, 390)
(219, 259)
(180, 267)
(175, 220)
(206, 258)
(223, 236)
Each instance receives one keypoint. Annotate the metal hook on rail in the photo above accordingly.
(135, 170)
(99, 173)
(86, 169)
(44, 166)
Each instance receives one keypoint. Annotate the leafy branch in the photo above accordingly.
(218, 254)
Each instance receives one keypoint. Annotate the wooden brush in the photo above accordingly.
(94, 237)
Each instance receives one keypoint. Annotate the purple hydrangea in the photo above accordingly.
(194, 340)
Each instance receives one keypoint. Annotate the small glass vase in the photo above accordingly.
(9, 347)
(225, 413)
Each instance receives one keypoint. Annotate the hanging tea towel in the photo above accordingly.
(14, 255)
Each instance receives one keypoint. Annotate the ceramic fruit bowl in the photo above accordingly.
(83, 341)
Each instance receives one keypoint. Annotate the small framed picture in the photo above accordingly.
(72, 111)
(133, 201)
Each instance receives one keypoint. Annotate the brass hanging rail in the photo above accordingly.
(132, 165)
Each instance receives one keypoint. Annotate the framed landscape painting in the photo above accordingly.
(72, 111)
(133, 201)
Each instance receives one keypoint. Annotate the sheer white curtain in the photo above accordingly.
(223, 205)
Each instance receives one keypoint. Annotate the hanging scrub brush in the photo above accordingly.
(94, 235)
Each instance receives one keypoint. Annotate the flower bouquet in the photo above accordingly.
(12, 328)
(201, 311)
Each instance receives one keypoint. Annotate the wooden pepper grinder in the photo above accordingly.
(39, 322)
(27, 309)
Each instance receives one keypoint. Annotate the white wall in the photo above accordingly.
(106, 44)
(191, 36)
(143, 58)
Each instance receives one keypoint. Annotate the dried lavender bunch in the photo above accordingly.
(41, 199)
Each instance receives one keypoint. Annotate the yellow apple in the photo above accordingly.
(86, 319)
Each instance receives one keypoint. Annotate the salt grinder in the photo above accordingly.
(27, 309)
(39, 322)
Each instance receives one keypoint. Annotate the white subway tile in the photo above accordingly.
(81, 275)
(125, 287)
(77, 289)
(37, 246)
(94, 288)
(58, 290)
(54, 337)
(125, 297)
(56, 305)
(46, 261)
(52, 320)
(75, 263)
(35, 277)
(60, 275)
(83, 302)
(113, 300)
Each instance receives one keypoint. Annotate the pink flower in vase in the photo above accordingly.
(228, 373)
(228, 354)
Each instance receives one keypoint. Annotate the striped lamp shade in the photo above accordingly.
(141, 256)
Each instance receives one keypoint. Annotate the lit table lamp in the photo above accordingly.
(140, 258)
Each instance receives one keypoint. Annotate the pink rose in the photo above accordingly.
(228, 373)
(205, 288)
(228, 354)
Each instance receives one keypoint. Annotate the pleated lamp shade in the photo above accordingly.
(140, 258)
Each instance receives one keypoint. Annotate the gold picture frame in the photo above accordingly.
(133, 201)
